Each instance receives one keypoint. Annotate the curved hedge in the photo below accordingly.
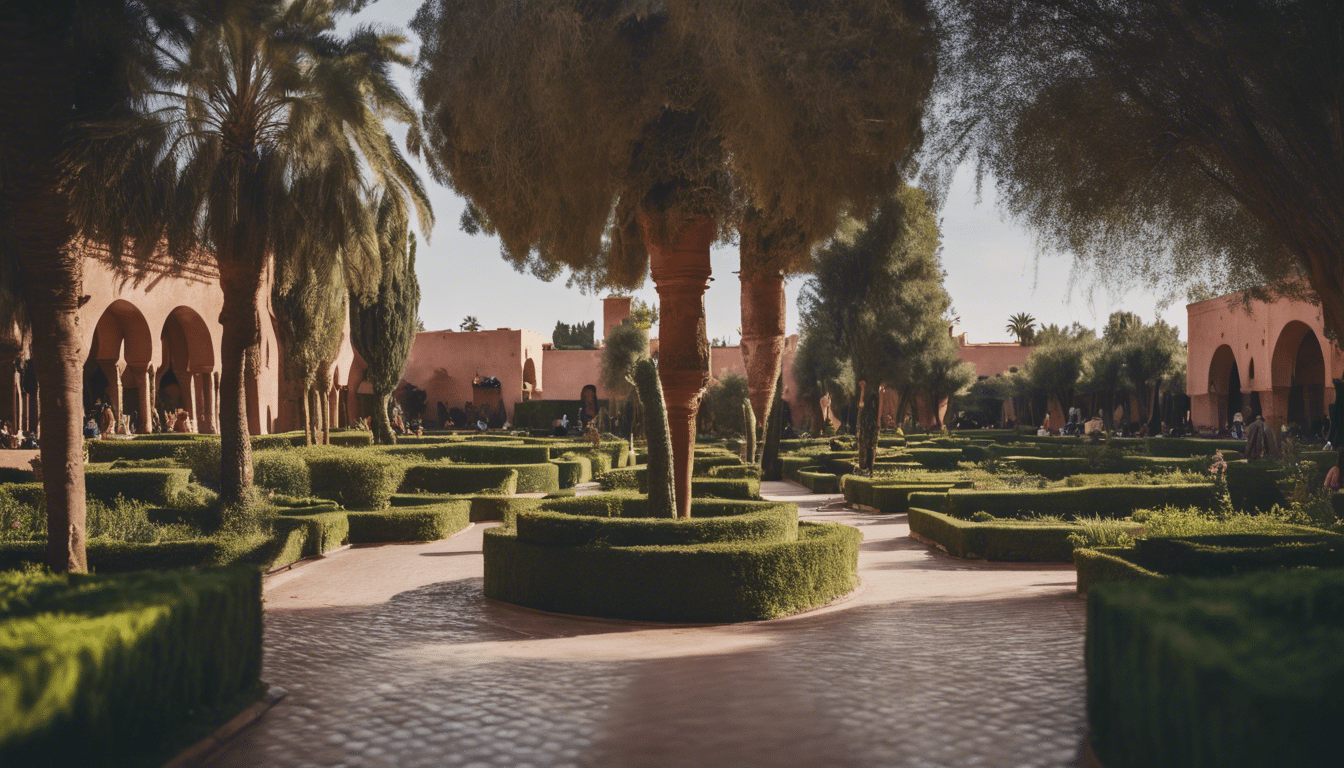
(720, 582)
(936, 458)
(424, 523)
(463, 479)
(769, 521)
(122, 670)
(818, 480)
(889, 497)
(473, 452)
(574, 470)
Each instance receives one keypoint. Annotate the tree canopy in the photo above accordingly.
(1168, 143)
(563, 122)
(576, 336)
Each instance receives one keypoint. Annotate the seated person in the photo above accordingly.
(91, 429)
(29, 442)
(1332, 477)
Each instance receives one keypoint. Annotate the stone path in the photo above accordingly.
(392, 658)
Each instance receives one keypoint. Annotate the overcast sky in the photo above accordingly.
(992, 268)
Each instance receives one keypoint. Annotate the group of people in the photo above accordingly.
(101, 420)
(15, 439)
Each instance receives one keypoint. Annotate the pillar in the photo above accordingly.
(10, 390)
(681, 272)
(205, 423)
(114, 370)
(144, 381)
(186, 383)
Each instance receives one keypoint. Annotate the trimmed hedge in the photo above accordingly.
(154, 486)
(574, 470)
(284, 472)
(1228, 672)
(721, 582)
(473, 452)
(358, 479)
(937, 458)
(1188, 447)
(1104, 501)
(817, 480)
(1102, 565)
(1051, 467)
(425, 523)
(114, 450)
(1006, 541)
(889, 497)
(482, 478)
(1231, 554)
(739, 471)
(765, 521)
(15, 475)
(1254, 484)
(115, 670)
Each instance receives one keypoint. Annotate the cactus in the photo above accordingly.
(662, 499)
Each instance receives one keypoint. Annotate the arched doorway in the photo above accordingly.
(1225, 386)
(189, 355)
(529, 379)
(1299, 375)
(117, 370)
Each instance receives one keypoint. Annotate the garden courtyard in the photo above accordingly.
(391, 656)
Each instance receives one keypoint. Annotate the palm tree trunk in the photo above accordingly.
(307, 418)
(324, 401)
(869, 404)
(34, 110)
(771, 468)
(659, 473)
(241, 337)
(681, 270)
(382, 424)
(763, 313)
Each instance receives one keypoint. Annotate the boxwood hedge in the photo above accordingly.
(482, 478)
(1104, 501)
(818, 480)
(937, 458)
(1224, 672)
(1013, 541)
(118, 670)
(154, 486)
(284, 472)
(889, 497)
(424, 523)
(358, 479)
(763, 521)
(720, 582)
(113, 450)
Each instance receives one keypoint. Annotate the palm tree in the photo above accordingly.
(469, 324)
(310, 316)
(266, 128)
(64, 65)
(1023, 326)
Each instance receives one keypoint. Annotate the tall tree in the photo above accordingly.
(1057, 365)
(877, 291)
(382, 325)
(946, 375)
(267, 127)
(1161, 141)
(616, 137)
(469, 324)
(1023, 326)
(310, 313)
(65, 66)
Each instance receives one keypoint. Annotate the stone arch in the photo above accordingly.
(117, 368)
(1298, 374)
(189, 353)
(1225, 385)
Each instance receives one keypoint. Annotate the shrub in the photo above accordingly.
(203, 458)
(880, 494)
(937, 458)
(768, 521)
(719, 582)
(1112, 501)
(738, 471)
(113, 450)
(1006, 540)
(465, 479)
(816, 480)
(621, 479)
(116, 670)
(357, 479)
(574, 469)
(284, 472)
(1103, 565)
(1238, 671)
(355, 438)
(155, 486)
(425, 523)
(473, 452)
(143, 464)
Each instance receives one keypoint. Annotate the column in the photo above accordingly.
(209, 404)
(681, 272)
(144, 380)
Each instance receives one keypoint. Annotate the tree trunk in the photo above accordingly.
(763, 314)
(771, 467)
(870, 401)
(240, 340)
(749, 428)
(382, 423)
(681, 269)
(660, 474)
(324, 400)
(307, 417)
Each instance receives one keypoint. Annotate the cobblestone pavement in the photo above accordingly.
(392, 658)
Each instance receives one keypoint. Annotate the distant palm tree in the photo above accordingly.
(1023, 326)
(266, 131)
(469, 323)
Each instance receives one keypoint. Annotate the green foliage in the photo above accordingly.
(175, 651)
(357, 479)
(1098, 532)
(203, 458)
(1005, 540)
(283, 472)
(1106, 501)
(424, 523)
(154, 486)
(465, 479)
(1257, 656)
(731, 561)
(887, 496)
(625, 345)
(577, 336)
(308, 302)
(1023, 326)
(115, 450)
(817, 480)
(721, 406)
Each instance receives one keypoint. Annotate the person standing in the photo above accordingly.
(1257, 438)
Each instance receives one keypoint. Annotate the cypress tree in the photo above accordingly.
(310, 316)
(382, 324)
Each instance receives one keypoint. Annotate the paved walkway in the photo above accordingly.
(392, 658)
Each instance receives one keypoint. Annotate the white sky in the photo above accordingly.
(992, 268)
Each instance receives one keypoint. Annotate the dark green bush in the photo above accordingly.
(1254, 484)
(628, 479)
(1227, 555)
(770, 522)
(1225, 672)
(113, 450)
(144, 464)
(738, 471)
(121, 670)
(886, 496)
(1011, 541)
(356, 478)
(473, 452)
(284, 472)
(426, 523)
(1051, 467)
(1189, 447)
(354, 438)
(466, 479)
(154, 486)
(937, 458)
(502, 508)
(15, 475)
(574, 470)
(1106, 564)
(818, 480)
(1105, 501)
(203, 458)
(695, 583)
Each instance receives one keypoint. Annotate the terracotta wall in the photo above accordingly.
(444, 363)
(568, 371)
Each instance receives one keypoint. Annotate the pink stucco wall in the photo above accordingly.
(1263, 340)
(444, 363)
